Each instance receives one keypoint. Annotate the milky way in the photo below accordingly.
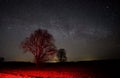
(88, 30)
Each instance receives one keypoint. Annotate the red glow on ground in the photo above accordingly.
(43, 74)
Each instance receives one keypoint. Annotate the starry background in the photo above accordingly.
(86, 29)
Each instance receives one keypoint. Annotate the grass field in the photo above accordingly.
(95, 69)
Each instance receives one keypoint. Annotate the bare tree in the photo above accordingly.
(62, 55)
(40, 44)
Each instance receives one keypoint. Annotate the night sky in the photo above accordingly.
(86, 29)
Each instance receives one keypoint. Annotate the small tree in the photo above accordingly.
(40, 44)
(62, 55)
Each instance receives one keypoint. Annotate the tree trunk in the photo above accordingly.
(37, 62)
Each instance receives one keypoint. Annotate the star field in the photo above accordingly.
(88, 30)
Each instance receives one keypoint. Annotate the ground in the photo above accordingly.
(96, 69)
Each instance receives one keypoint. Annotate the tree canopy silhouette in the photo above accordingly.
(62, 55)
(40, 44)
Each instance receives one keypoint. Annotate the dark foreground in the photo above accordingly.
(88, 69)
